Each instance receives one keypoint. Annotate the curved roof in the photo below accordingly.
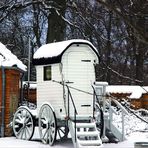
(52, 53)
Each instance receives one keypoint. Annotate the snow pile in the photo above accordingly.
(135, 91)
(8, 59)
(55, 49)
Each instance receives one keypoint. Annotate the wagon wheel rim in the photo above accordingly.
(23, 126)
(47, 124)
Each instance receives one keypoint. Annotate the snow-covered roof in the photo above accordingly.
(135, 91)
(7, 59)
(52, 53)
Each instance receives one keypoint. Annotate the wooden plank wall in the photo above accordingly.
(135, 103)
(145, 101)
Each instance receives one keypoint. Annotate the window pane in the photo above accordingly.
(47, 73)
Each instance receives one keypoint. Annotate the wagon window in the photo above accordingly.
(47, 73)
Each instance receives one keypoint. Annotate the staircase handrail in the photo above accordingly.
(111, 111)
(120, 106)
(75, 111)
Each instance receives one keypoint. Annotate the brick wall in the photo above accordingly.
(11, 96)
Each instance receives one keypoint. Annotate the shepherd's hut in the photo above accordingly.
(71, 62)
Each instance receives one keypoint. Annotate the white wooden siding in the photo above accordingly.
(73, 69)
(82, 74)
(51, 92)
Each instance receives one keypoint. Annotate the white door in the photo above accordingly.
(79, 74)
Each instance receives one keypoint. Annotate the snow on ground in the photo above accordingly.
(12, 142)
(135, 130)
(129, 143)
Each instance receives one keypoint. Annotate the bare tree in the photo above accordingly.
(117, 28)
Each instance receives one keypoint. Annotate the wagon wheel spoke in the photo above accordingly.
(47, 124)
(62, 132)
(23, 126)
(25, 133)
(26, 119)
(19, 132)
(46, 132)
(22, 132)
(51, 137)
(28, 131)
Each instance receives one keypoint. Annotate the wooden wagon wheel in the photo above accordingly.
(47, 124)
(62, 132)
(23, 126)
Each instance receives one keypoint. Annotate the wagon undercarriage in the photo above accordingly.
(84, 131)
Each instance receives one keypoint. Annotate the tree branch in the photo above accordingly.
(120, 75)
(140, 34)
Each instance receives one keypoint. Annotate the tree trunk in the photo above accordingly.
(108, 47)
(140, 54)
(56, 25)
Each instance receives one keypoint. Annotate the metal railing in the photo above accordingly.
(74, 107)
(112, 111)
(69, 97)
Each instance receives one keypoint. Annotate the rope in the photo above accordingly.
(131, 110)
(136, 115)
(86, 92)
(101, 112)
(103, 96)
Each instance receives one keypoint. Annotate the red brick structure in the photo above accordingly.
(12, 95)
(11, 70)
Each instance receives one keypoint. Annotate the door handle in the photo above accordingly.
(68, 82)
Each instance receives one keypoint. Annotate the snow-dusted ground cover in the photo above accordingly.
(12, 142)
(135, 130)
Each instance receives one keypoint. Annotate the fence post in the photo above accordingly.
(122, 125)
(110, 114)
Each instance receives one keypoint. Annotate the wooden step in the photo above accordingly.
(85, 125)
(89, 133)
(89, 142)
(99, 146)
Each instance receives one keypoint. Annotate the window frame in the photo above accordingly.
(46, 70)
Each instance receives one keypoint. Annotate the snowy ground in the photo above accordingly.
(135, 130)
(12, 142)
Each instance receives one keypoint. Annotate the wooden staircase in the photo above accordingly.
(86, 136)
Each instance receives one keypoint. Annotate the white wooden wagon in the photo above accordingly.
(65, 100)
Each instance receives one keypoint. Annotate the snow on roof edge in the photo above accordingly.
(45, 50)
(136, 91)
(8, 59)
